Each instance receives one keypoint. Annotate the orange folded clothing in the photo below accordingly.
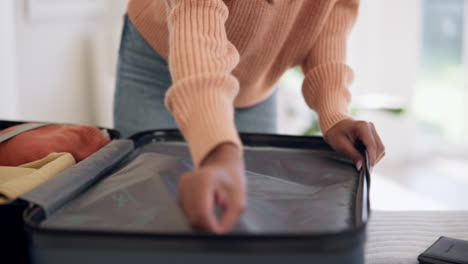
(81, 141)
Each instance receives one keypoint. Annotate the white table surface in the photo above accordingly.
(398, 237)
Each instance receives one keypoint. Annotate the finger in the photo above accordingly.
(380, 145)
(379, 158)
(345, 146)
(195, 202)
(366, 136)
(184, 202)
(204, 217)
(233, 210)
(221, 199)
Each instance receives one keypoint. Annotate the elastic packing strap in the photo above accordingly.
(21, 129)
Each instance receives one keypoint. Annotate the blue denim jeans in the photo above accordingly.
(143, 78)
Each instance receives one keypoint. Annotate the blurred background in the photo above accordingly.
(58, 59)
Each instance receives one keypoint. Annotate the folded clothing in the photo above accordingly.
(14, 181)
(79, 140)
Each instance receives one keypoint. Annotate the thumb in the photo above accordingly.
(233, 209)
(346, 147)
(197, 201)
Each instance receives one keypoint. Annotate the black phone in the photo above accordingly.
(446, 251)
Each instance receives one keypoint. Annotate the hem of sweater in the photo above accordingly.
(255, 101)
(146, 28)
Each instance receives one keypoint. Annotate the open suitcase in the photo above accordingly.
(306, 204)
(13, 239)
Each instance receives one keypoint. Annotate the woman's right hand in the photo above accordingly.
(220, 180)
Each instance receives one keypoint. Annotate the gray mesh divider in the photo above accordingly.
(65, 186)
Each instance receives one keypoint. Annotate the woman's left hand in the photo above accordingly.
(344, 136)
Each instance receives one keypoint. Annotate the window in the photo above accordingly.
(440, 93)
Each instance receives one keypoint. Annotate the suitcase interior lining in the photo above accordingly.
(291, 191)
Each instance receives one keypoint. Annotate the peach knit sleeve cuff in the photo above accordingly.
(201, 59)
(326, 91)
(204, 112)
(327, 77)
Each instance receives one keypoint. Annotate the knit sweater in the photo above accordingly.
(224, 54)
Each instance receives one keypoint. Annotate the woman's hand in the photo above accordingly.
(344, 136)
(220, 180)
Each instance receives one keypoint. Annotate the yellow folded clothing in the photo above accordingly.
(14, 181)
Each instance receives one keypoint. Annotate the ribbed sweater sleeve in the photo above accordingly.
(327, 77)
(201, 60)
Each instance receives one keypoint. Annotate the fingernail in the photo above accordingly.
(359, 165)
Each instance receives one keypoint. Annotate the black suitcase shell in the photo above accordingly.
(13, 239)
(52, 244)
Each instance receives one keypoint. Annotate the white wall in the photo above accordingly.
(384, 47)
(465, 64)
(57, 59)
(8, 91)
(106, 42)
